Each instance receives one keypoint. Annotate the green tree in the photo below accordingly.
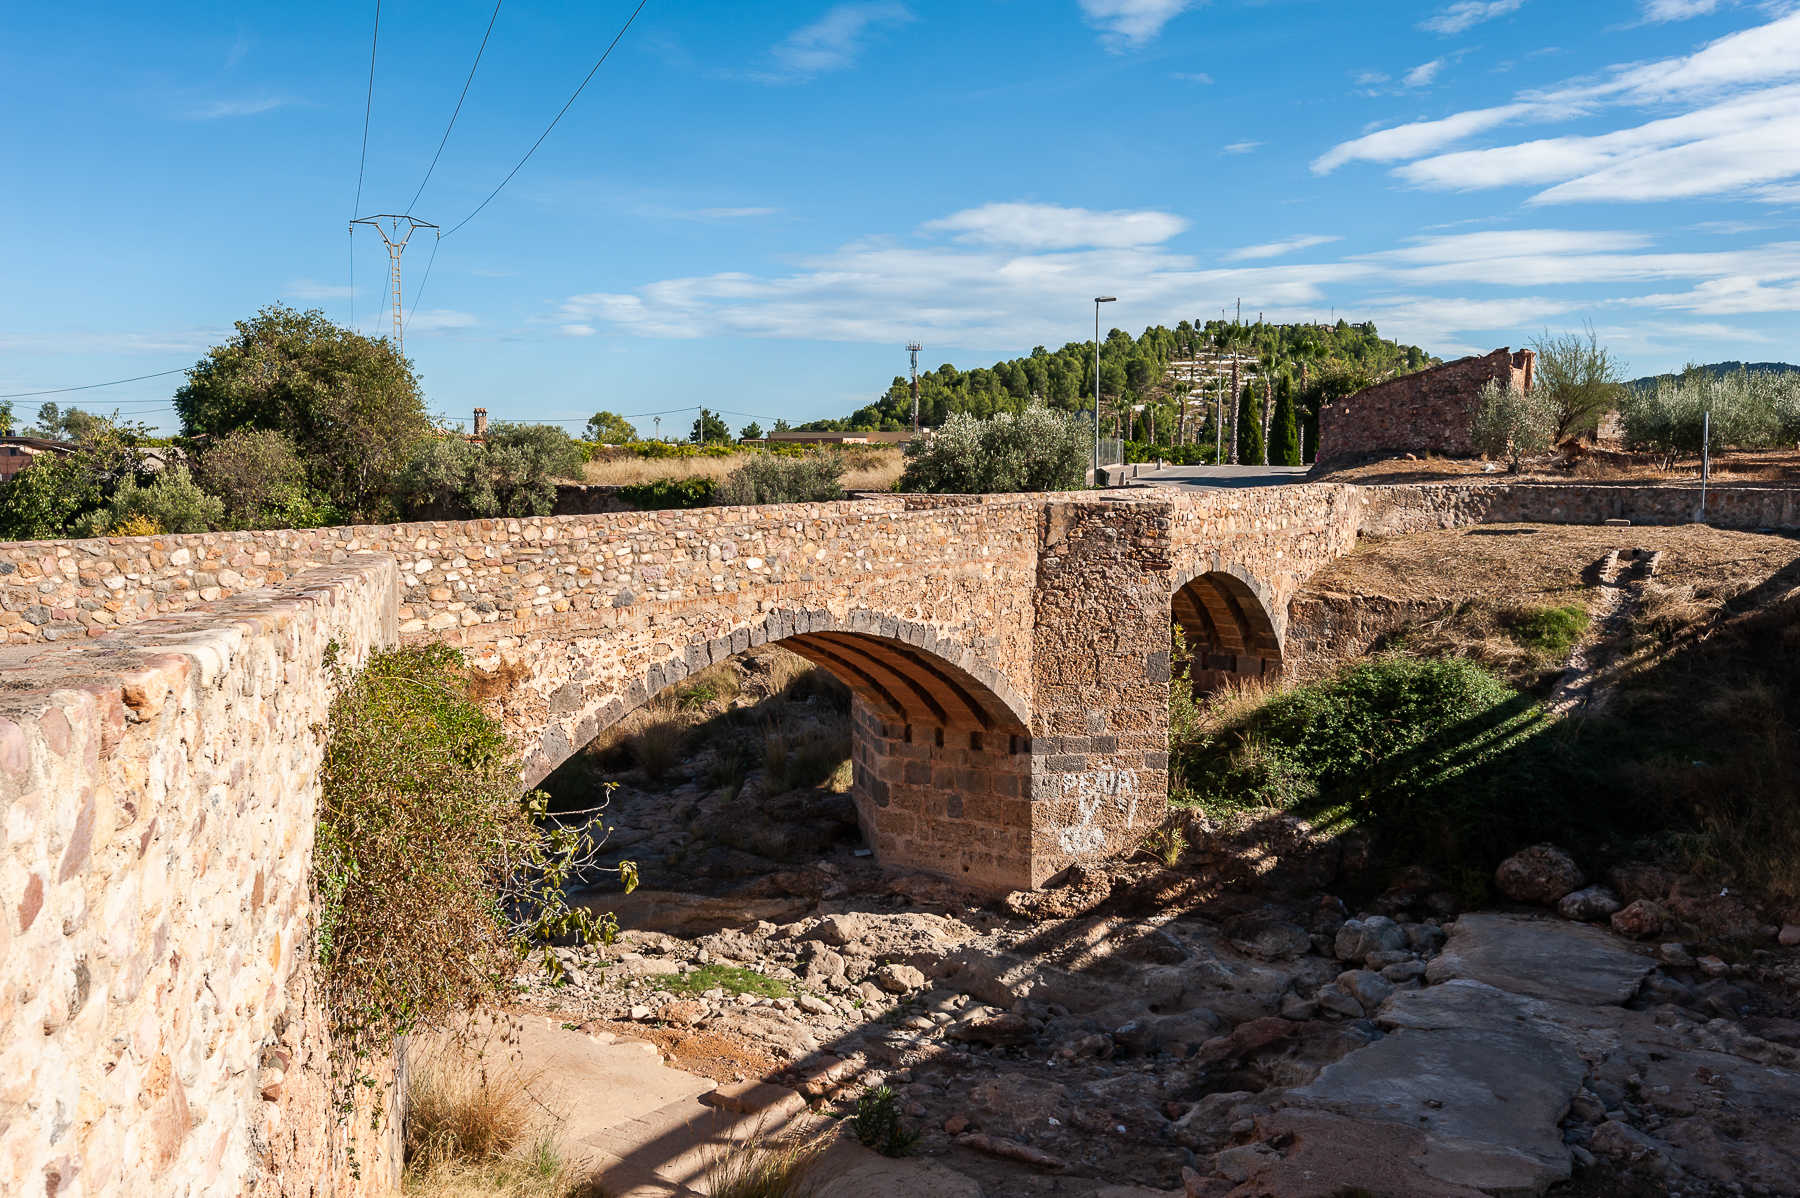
(6, 418)
(65, 494)
(1249, 422)
(1512, 423)
(710, 428)
(610, 428)
(1579, 380)
(780, 426)
(512, 473)
(751, 432)
(351, 405)
(258, 475)
(1286, 450)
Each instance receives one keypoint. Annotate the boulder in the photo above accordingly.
(1366, 987)
(1588, 903)
(1541, 874)
(1357, 938)
(1638, 919)
(899, 979)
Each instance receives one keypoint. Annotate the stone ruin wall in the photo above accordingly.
(1432, 411)
(1389, 511)
(162, 1032)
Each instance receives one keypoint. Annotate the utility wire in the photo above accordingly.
(91, 386)
(420, 290)
(459, 103)
(559, 116)
(368, 107)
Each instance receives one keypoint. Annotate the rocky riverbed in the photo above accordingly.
(1116, 1034)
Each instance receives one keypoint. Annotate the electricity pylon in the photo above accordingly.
(396, 245)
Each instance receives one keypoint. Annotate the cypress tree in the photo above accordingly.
(1286, 450)
(1250, 438)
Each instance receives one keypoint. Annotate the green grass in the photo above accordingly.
(1549, 631)
(733, 979)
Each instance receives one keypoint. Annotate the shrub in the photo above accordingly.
(666, 493)
(1034, 450)
(877, 1123)
(1749, 409)
(1391, 744)
(755, 1166)
(172, 501)
(1512, 422)
(433, 876)
(256, 473)
(771, 478)
(512, 473)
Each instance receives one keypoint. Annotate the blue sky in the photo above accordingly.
(755, 205)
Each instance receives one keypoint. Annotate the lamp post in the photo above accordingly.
(1098, 300)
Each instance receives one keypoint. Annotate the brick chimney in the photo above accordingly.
(481, 422)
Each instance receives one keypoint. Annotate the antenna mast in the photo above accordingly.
(913, 348)
(395, 241)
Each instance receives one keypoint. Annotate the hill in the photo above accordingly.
(1152, 369)
(1717, 368)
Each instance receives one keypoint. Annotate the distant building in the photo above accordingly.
(16, 453)
(795, 437)
(1431, 411)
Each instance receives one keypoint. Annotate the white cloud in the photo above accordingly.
(1275, 249)
(833, 41)
(249, 106)
(1129, 24)
(1423, 74)
(970, 282)
(711, 214)
(1192, 77)
(577, 330)
(1739, 135)
(436, 320)
(1678, 10)
(1051, 227)
(1241, 147)
(312, 289)
(1466, 14)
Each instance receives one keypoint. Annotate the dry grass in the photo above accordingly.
(761, 1166)
(474, 1130)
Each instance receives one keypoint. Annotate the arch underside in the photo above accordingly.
(1228, 630)
(905, 684)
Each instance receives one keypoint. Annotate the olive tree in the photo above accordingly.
(1033, 450)
(1510, 422)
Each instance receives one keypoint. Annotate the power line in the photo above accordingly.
(368, 107)
(459, 103)
(559, 116)
(92, 386)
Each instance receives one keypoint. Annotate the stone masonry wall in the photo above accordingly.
(1432, 411)
(1394, 510)
(157, 794)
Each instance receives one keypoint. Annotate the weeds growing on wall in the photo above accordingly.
(433, 875)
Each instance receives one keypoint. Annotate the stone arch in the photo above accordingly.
(941, 744)
(1232, 625)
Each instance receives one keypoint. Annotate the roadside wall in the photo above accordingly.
(1432, 411)
(159, 1032)
(1394, 510)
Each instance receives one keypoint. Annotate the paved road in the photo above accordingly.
(1223, 476)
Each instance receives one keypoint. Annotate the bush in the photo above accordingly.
(666, 493)
(512, 473)
(1389, 744)
(1034, 450)
(766, 478)
(1512, 422)
(1577, 380)
(877, 1123)
(432, 874)
(172, 501)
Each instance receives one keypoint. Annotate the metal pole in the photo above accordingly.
(1705, 460)
(1096, 392)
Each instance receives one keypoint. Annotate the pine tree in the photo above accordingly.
(1286, 448)
(1249, 423)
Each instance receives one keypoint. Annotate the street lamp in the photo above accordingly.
(1098, 300)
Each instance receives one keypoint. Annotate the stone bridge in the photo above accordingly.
(1008, 655)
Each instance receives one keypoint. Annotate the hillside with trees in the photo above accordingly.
(1144, 378)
